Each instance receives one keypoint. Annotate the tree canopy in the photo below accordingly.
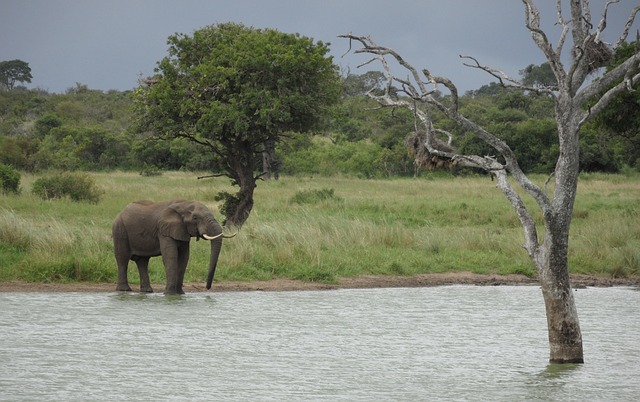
(235, 90)
(13, 71)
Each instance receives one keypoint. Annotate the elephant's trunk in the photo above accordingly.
(216, 246)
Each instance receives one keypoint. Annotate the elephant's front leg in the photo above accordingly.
(169, 249)
(183, 260)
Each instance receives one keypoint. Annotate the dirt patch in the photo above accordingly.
(360, 282)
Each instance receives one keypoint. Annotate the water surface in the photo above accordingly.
(442, 343)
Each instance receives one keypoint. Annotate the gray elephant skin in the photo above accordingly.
(145, 229)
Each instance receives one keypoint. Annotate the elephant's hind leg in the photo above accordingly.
(122, 259)
(122, 254)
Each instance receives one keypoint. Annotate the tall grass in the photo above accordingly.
(321, 229)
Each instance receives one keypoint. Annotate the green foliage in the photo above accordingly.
(361, 159)
(525, 122)
(45, 123)
(85, 129)
(76, 186)
(538, 76)
(619, 123)
(235, 88)
(229, 203)
(9, 180)
(13, 71)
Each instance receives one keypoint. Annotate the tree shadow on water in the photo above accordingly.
(552, 383)
(555, 371)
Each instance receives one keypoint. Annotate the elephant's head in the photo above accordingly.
(187, 219)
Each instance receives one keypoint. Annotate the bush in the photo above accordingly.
(9, 180)
(76, 186)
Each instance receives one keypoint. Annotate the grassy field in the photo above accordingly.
(320, 229)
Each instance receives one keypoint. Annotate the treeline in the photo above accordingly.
(92, 130)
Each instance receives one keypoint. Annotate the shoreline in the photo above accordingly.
(360, 282)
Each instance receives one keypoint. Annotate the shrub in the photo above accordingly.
(76, 186)
(9, 179)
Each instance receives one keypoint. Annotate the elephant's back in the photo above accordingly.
(142, 214)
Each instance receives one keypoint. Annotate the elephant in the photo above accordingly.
(145, 229)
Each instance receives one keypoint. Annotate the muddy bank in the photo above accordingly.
(361, 282)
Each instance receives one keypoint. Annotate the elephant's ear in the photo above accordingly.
(172, 224)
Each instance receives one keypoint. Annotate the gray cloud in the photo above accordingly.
(109, 44)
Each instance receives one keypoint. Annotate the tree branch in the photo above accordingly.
(627, 26)
(532, 23)
(502, 77)
(420, 95)
(627, 71)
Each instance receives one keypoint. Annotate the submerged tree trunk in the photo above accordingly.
(565, 337)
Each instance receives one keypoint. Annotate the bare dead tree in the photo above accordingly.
(588, 54)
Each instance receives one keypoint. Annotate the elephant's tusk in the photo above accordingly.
(229, 236)
(206, 237)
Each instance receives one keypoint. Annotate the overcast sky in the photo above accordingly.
(109, 44)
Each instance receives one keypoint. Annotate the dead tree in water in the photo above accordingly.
(571, 94)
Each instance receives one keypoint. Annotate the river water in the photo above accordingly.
(458, 343)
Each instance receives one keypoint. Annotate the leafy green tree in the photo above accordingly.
(538, 76)
(13, 71)
(234, 89)
(360, 84)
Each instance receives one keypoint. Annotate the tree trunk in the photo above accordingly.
(243, 173)
(565, 337)
(245, 203)
(552, 259)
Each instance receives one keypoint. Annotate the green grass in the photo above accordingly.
(321, 229)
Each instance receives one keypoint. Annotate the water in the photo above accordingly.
(444, 343)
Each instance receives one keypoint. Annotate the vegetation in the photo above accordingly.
(91, 130)
(9, 180)
(341, 227)
(76, 186)
(233, 91)
(13, 71)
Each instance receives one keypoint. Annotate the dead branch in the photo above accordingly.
(627, 25)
